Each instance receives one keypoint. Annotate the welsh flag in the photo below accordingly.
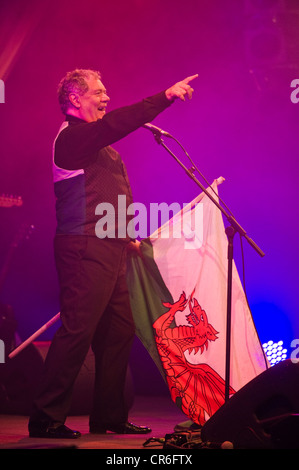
(178, 292)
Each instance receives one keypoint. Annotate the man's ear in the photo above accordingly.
(75, 100)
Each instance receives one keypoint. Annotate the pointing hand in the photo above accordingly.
(181, 89)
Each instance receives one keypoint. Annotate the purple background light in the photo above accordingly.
(240, 124)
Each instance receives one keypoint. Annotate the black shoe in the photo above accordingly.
(127, 428)
(54, 432)
(188, 426)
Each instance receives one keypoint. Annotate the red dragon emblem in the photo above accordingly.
(195, 388)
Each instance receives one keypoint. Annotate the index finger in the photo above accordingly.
(189, 79)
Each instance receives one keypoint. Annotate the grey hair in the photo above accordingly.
(74, 82)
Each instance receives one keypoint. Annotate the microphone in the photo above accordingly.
(156, 130)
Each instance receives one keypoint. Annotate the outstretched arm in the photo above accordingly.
(76, 146)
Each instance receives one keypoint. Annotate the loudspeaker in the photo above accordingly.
(264, 414)
(82, 396)
(19, 379)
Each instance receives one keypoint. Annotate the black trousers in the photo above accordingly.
(95, 311)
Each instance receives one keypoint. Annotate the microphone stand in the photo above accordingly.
(233, 228)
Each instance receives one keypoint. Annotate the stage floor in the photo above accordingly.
(157, 412)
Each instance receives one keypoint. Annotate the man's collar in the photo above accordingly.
(71, 118)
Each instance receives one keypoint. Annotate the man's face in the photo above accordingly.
(92, 105)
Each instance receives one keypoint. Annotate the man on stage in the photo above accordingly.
(94, 300)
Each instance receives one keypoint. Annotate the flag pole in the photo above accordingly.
(34, 336)
(231, 230)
